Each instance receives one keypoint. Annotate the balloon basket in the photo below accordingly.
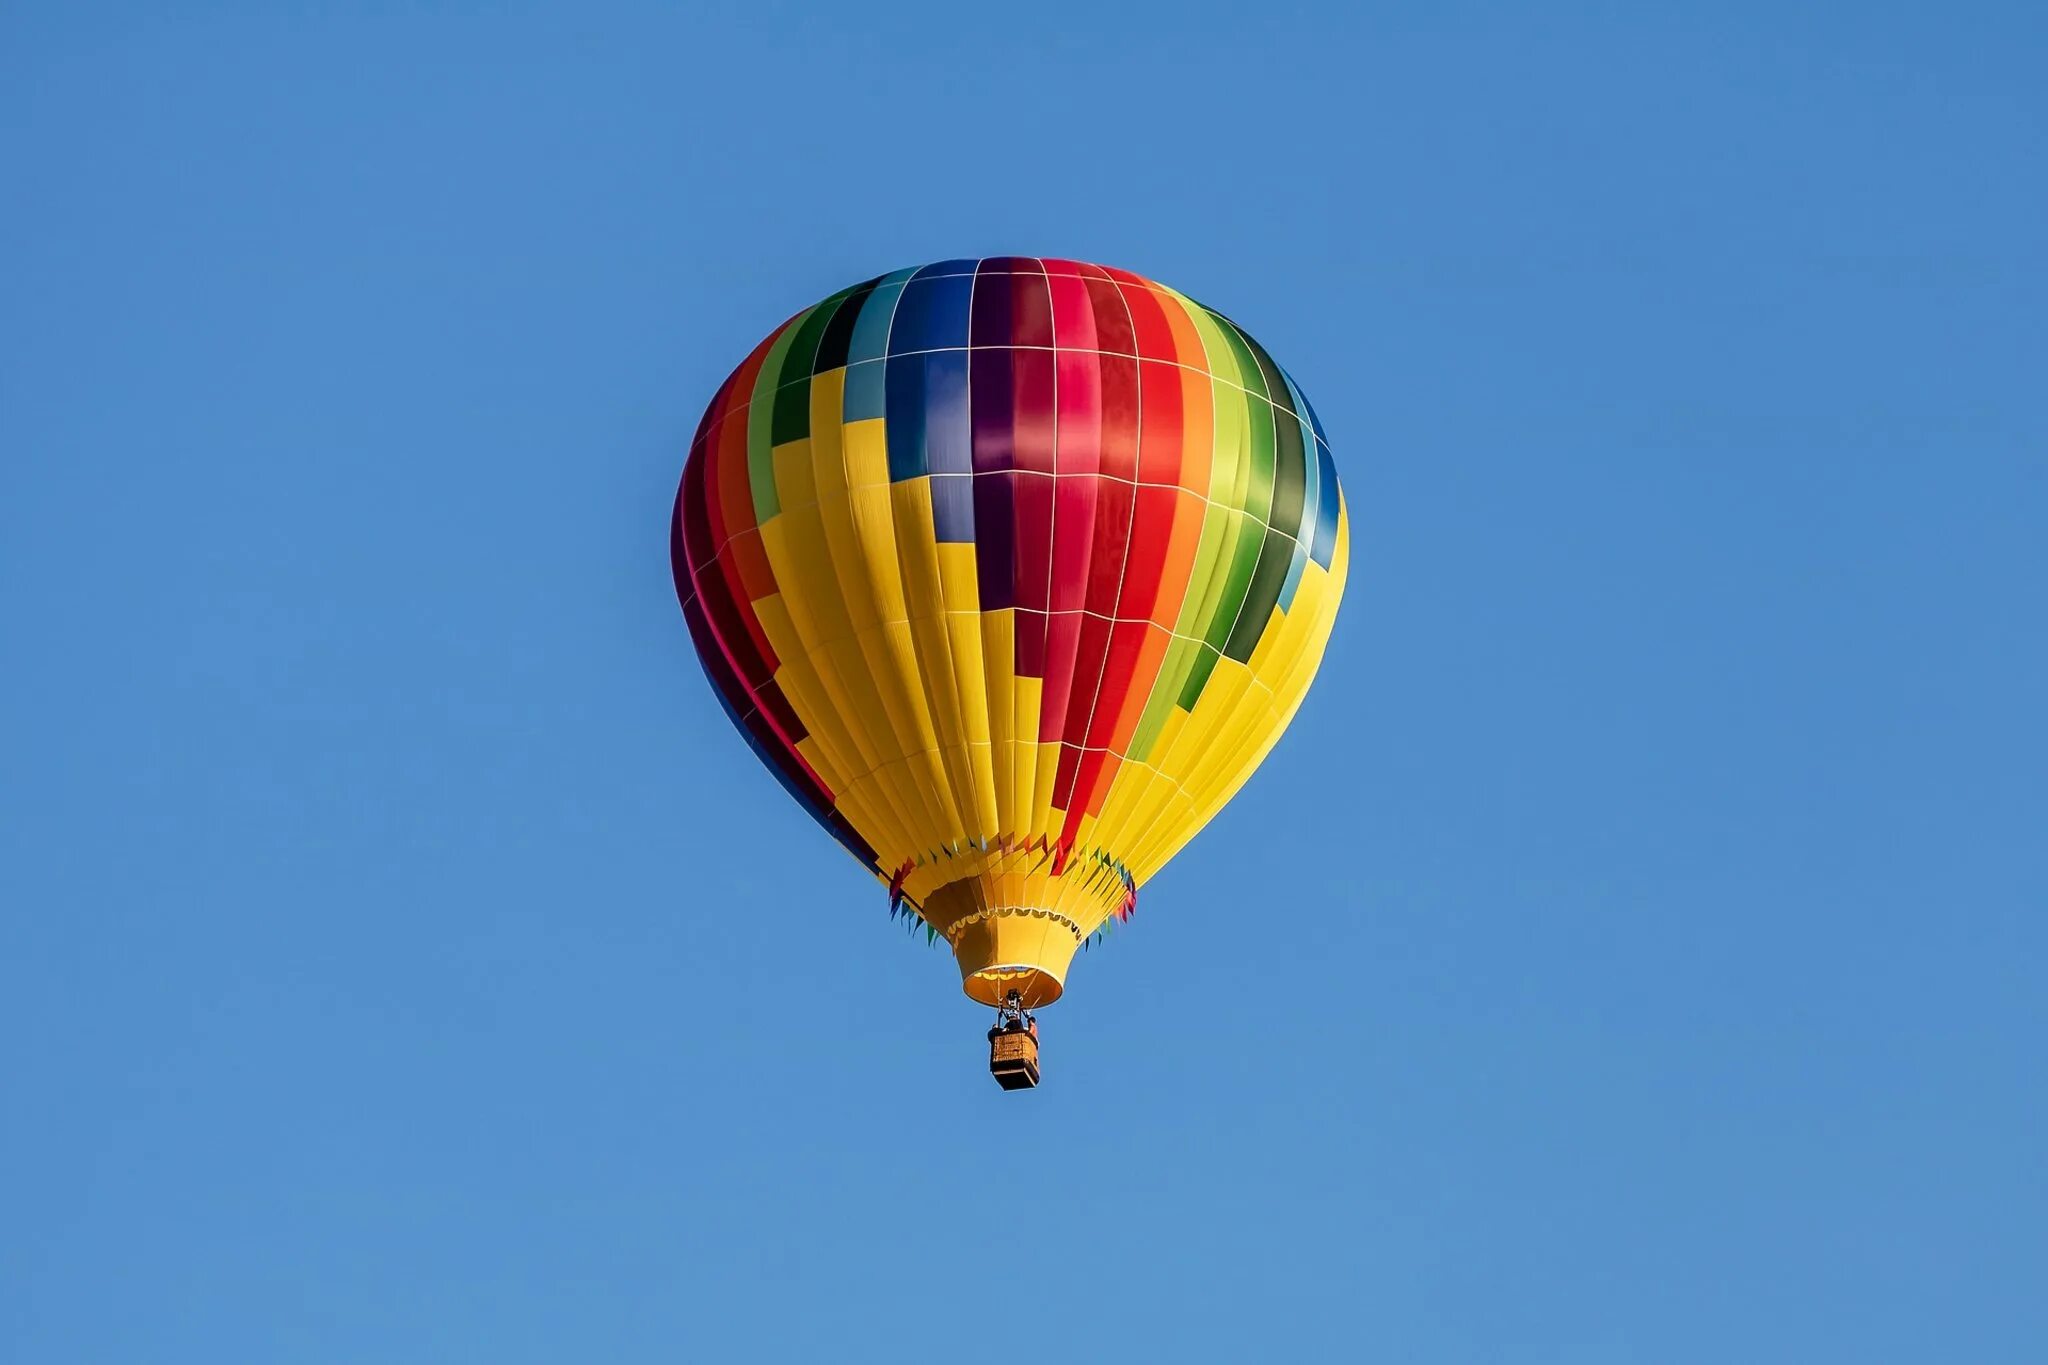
(1013, 1060)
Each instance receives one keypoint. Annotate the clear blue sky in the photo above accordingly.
(1634, 953)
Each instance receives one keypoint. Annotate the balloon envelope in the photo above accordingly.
(1011, 571)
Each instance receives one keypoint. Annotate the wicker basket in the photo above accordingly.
(1013, 1060)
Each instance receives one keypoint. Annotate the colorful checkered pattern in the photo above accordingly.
(1012, 571)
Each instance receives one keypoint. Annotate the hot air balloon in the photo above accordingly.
(1011, 571)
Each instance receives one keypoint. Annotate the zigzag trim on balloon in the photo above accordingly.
(952, 932)
(1098, 861)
